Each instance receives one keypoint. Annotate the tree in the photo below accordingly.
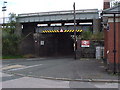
(11, 25)
(9, 44)
(9, 40)
(115, 3)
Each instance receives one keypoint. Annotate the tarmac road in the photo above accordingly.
(56, 73)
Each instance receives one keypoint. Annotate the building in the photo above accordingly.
(111, 21)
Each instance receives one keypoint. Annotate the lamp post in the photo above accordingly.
(74, 30)
(4, 9)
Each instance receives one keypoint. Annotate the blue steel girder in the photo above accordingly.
(88, 14)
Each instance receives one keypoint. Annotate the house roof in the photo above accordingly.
(113, 10)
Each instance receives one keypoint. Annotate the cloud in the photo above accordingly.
(31, 6)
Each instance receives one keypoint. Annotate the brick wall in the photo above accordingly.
(111, 42)
(118, 41)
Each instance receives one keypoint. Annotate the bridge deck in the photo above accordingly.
(59, 12)
(87, 14)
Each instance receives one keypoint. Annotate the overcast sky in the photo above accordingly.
(31, 6)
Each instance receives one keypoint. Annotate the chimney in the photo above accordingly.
(106, 4)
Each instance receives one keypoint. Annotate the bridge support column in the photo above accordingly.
(63, 24)
(96, 25)
(49, 24)
(18, 30)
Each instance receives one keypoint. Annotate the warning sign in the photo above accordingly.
(85, 43)
(61, 30)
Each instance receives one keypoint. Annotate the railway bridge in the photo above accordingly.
(51, 33)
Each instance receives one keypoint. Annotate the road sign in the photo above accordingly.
(85, 43)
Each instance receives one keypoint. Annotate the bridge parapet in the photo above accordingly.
(59, 12)
(87, 14)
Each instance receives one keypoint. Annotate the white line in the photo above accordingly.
(25, 67)
(35, 59)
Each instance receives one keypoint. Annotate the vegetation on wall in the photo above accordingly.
(98, 36)
(88, 35)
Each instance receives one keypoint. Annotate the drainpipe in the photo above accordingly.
(114, 51)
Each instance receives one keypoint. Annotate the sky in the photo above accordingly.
(31, 6)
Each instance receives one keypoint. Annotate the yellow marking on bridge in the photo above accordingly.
(57, 31)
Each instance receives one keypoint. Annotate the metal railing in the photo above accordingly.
(59, 12)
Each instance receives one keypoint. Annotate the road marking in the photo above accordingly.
(35, 59)
(24, 67)
(5, 75)
(106, 85)
(12, 66)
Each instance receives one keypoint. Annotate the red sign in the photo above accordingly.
(85, 43)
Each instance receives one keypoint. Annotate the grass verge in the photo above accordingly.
(11, 56)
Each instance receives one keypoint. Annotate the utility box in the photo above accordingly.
(99, 52)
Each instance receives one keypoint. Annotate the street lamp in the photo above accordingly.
(74, 30)
(4, 9)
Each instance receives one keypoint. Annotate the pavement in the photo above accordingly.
(66, 69)
(13, 82)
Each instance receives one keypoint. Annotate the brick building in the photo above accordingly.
(111, 21)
